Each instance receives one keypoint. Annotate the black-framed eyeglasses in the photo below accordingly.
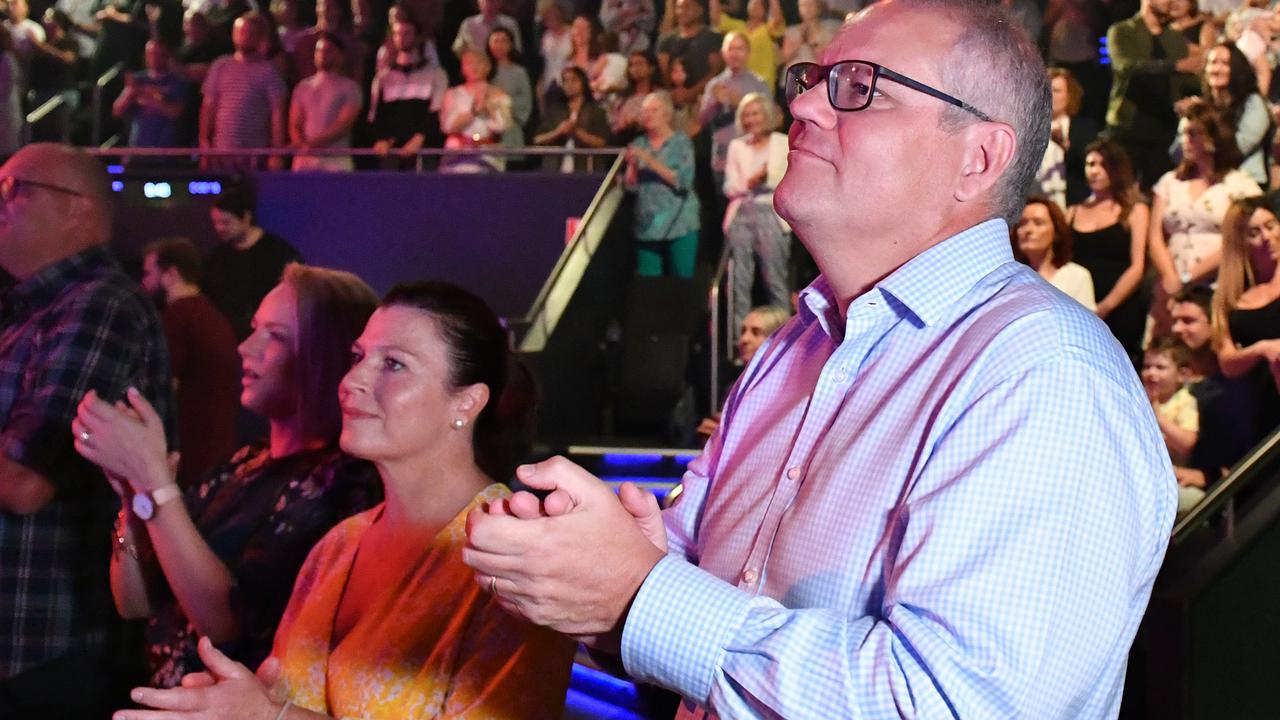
(851, 84)
(10, 185)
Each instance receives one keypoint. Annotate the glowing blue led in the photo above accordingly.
(117, 186)
(204, 187)
(115, 169)
(155, 190)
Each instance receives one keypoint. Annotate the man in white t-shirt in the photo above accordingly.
(324, 109)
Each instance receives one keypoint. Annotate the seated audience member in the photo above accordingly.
(721, 97)
(405, 100)
(154, 101)
(1166, 368)
(556, 47)
(1191, 200)
(202, 356)
(624, 113)
(753, 232)
(1246, 304)
(474, 114)
(510, 77)
(333, 19)
(631, 21)
(1070, 134)
(578, 122)
(473, 34)
(245, 99)
(386, 622)
(228, 549)
(660, 173)
(399, 12)
(1231, 87)
(247, 262)
(1042, 241)
(755, 327)
(1109, 239)
(1227, 407)
(805, 41)
(694, 43)
(762, 32)
(324, 109)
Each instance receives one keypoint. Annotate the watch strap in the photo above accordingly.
(162, 495)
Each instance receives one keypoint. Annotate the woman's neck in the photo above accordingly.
(1220, 96)
(575, 103)
(642, 87)
(759, 138)
(427, 493)
(287, 438)
(1042, 263)
(657, 136)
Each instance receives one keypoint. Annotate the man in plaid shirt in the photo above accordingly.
(70, 322)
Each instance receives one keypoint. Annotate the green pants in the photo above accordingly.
(676, 256)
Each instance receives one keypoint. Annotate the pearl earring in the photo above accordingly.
(458, 423)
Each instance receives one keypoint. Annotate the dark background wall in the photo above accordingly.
(498, 235)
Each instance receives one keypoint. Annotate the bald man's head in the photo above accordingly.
(62, 205)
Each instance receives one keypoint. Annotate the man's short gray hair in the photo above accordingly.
(996, 68)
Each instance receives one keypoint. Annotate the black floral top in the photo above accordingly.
(261, 516)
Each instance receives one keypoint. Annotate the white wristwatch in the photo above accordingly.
(144, 504)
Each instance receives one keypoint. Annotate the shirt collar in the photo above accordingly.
(929, 284)
(42, 287)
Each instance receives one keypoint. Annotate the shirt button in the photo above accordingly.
(749, 576)
(793, 473)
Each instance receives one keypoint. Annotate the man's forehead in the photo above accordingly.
(910, 41)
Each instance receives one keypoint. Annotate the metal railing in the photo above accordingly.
(99, 87)
(195, 154)
(556, 292)
(39, 114)
(723, 277)
(1221, 498)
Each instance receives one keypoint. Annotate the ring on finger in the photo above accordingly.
(85, 435)
(493, 585)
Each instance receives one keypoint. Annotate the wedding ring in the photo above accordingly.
(84, 436)
(493, 585)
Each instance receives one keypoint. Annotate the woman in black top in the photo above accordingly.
(221, 561)
(1246, 303)
(1110, 231)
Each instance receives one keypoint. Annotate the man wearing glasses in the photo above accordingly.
(70, 322)
(937, 491)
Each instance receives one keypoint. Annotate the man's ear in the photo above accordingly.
(991, 150)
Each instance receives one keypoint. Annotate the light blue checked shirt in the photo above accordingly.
(951, 503)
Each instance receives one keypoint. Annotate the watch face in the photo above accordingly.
(143, 507)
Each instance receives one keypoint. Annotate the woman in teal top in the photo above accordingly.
(660, 173)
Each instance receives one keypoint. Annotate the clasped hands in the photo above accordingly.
(573, 561)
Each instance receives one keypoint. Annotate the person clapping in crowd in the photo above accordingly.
(385, 621)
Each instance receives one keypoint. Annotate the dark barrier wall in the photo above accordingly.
(498, 235)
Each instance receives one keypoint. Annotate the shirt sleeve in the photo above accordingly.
(96, 345)
(1254, 122)
(982, 613)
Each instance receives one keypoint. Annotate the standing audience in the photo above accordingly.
(245, 99)
(687, 37)
(202, 355)
(247, 262)
(722, 95)
(405, 100)
(578, 122)
(154, 101)
(763, 31)
(753, 232)
(324, 109)
(659, 170)
(219, 559)
(510, 77)
(474, 114)
(1042, 241)
(74, 323)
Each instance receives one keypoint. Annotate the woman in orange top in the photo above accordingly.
(385, 620)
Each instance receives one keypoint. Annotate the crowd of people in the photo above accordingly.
(1144, 215)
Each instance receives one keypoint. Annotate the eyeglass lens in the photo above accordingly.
(849, 85)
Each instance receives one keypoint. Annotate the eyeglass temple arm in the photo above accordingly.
(915, 85)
